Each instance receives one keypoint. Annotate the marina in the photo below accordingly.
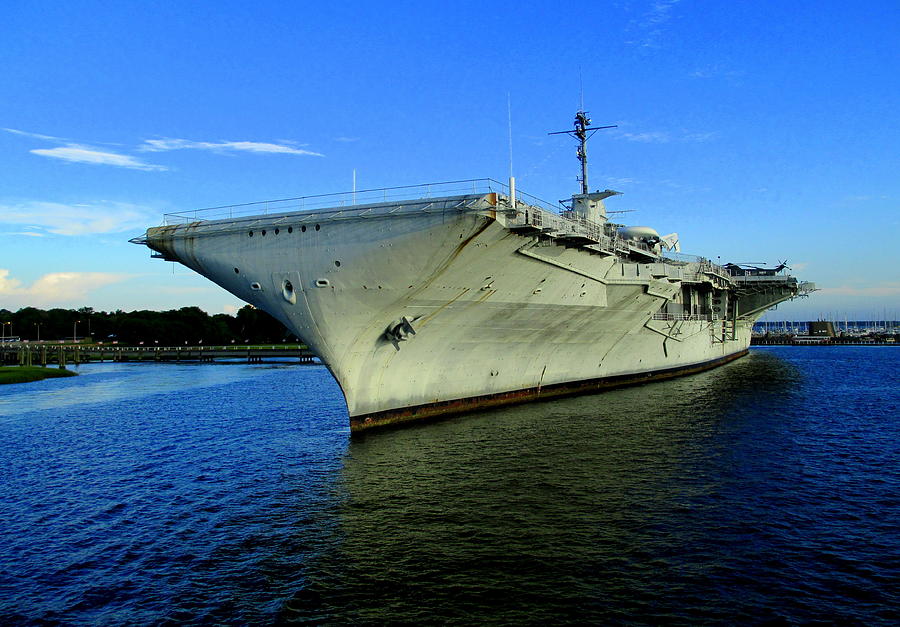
(827, 333)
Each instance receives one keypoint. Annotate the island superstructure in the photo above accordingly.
(468, 294)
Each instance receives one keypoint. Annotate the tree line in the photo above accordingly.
(189, 325)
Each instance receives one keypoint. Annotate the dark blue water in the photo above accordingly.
(765, 491)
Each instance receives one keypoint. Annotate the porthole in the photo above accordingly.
(322, 283)
(250, 234)
(337, 263)
(255, 286)
(317, 227)
(303, 229)
(276, 231)
(236, 271)
(290, 229)
(263, 232)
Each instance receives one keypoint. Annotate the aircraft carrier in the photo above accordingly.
(441, 299)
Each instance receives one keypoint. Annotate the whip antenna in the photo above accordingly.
(512, 180)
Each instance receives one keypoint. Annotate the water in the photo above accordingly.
(765, 491)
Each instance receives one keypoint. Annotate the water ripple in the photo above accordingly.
(762, 492)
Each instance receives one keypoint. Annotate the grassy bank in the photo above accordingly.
(24, 374)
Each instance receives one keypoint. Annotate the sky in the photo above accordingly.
(759, 131)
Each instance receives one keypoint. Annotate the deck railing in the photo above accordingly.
(568, 224)
(348, 199)
(684, 316)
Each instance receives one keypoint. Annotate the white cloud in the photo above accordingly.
(698, 137)
(54, 288)
(656, 137)
(652, 25)
(659, 12)
(34, 135)
(77, 219)
(620, 181)
(664, 137)
(230, 309)
(85, 154)
(715, 71)
(160, 145)
(346, 139)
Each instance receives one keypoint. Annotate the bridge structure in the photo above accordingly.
(27, 354)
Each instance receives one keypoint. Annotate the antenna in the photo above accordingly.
(512, 180)
(580, 132)
(509, 117)
(581, 88)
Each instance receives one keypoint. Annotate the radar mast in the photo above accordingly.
(583, 131)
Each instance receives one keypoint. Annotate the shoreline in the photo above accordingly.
(28, 374)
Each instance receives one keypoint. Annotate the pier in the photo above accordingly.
(28, 354)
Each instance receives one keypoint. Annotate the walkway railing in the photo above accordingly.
(696, 317)
(347, 199)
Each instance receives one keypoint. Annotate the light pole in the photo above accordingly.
(75, 331)
(38, 325)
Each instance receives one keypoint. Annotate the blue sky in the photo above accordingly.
(758, 131)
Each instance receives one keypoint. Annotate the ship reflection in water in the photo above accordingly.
(671, 501)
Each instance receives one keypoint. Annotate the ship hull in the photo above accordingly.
(442, 311)
(430, 411)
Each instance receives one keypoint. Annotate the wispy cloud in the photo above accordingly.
(346, 139)
(77, 219)
(716, 71)
(161, 145)
(34, 135)
(654, 137)
(649, 29)
(698, 137)
(56, 287)
(619, 181)
(664, 137)
(77, 153)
